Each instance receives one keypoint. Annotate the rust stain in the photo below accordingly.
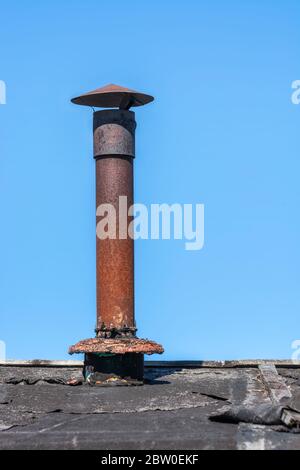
(115, 257)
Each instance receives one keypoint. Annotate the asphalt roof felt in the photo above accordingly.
(175, 409)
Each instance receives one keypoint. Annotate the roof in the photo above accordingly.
(183, 405)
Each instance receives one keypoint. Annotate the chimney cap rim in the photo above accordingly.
(113, 96)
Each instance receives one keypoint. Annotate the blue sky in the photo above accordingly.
(222, 131)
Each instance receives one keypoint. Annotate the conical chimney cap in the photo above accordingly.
(113, 96)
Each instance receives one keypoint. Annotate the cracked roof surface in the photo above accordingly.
(39, 410)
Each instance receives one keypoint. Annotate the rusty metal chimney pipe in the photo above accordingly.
(114, 152)
(115, 353)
